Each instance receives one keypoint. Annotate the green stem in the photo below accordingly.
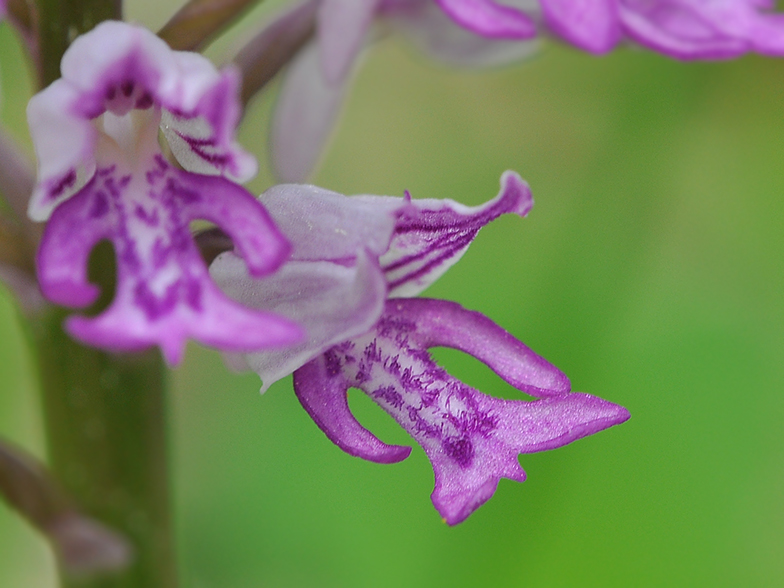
(61, 21)
(105, 422)
(104, 413)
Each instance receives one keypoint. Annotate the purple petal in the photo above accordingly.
(447, 324)
(430, 29)
(678, 30)
(710, 30)
(330, 301)
(164, 293)
(488, 19)
(325, 225)
(323, 391)
(304, 116)
(342, 28)
(431, 240)
(252, 230)
(471, 439)
(592, 25)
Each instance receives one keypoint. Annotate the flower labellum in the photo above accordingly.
(102, 175)
(471, 439)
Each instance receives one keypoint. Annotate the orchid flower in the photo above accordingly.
(683, 29)
(483, 33)
(364, 257)
(102, 175)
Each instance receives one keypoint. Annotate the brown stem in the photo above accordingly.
(274, 47)
(200, 21)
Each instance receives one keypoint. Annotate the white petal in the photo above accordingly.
(64, 145)
(304, 116)
(332, 302)
(325, 225)
(342, 28)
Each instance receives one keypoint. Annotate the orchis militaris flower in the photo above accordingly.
(683, 29)
(482, 33)
(471, 439)
(102, 175)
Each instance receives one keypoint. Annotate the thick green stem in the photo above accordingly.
(104, 413)
(105, 421)
(61, 21)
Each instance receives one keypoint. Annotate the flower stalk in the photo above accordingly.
(104, 414)
(61, 21)
(105, 419)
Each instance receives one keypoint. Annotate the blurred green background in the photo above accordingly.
(650, 270)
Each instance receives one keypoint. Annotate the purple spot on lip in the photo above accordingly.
(151, 219)
(100, 206)
(182, 195)
(193, 295)
(389, 395)
(127, 88)
(332, 362)
(155, 306)
(460, 449)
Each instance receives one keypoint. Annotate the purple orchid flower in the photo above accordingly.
(683, 29)
(483, 33)
(367, 255)
(102, 175)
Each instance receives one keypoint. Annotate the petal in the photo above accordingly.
(471, 439)
(488, 19)
(323, 392)
(200, 120)
(431, 240)
(710, 30)
(447, 324)
(330, 301)
(342, 28)
(111, 55)
(434, 33)
(592, 25)
(325, 225)
(64, 146)
(304, 116)
(239, 214)
(164, 294)
(678, 30)
(73, 230)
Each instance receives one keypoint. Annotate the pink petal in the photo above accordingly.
(592, 25)
(435, 235)
(488, 19)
